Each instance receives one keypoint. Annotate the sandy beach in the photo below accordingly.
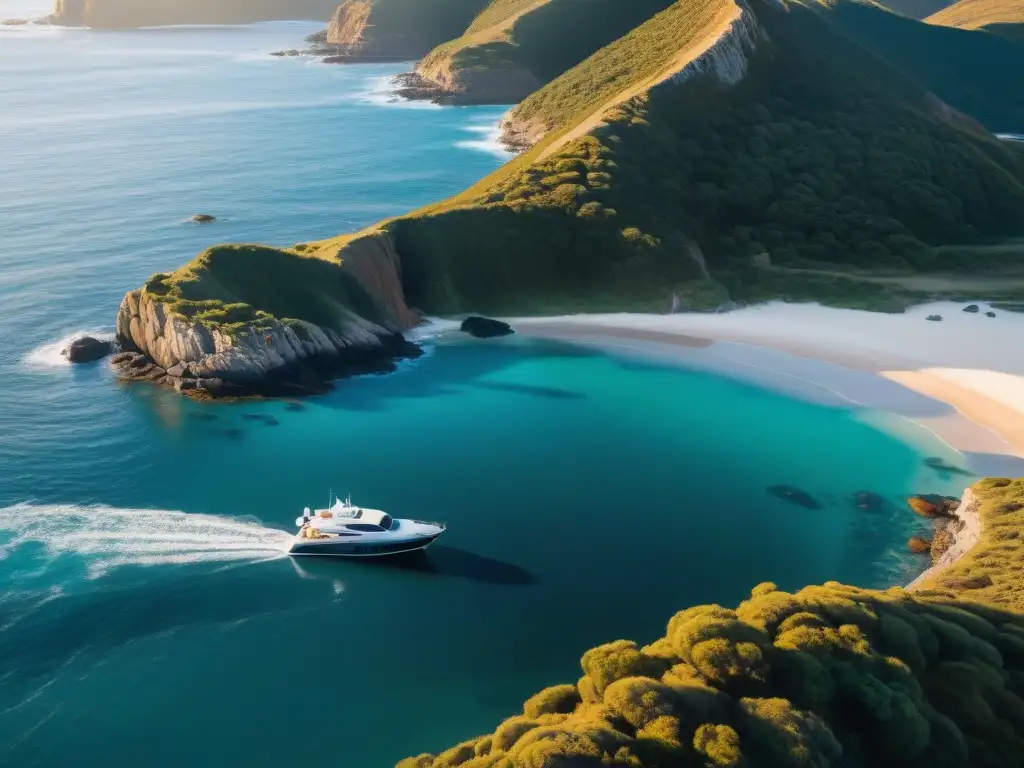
(961, 379)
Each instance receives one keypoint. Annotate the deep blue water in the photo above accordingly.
(587, 496)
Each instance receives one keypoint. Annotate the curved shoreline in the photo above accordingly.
(947, 378)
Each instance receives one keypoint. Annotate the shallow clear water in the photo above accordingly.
(588, 496)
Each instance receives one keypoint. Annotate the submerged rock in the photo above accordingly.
(795, 496)
(934, 318)
(290, 52)
(86, 349)
(942, 466)
(869, 501)
(933, 506)
(485, 328)
(990, 314)
(203, 218)
(919, 545)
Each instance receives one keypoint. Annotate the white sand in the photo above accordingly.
(961, 379)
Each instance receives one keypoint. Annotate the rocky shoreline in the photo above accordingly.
(953, 539)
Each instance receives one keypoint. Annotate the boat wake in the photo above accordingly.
(111, 537)
(49, 355)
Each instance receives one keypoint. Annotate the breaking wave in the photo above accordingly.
(49, 355)
(112, 537)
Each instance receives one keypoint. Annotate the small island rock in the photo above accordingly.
(203, 218)
(86, 349)
(485, 328)
(972, 308)
(934, 318)
(990, 314)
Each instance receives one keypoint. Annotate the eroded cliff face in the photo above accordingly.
(359, 31)
(121, 14)
(446, 82)
(277, 356)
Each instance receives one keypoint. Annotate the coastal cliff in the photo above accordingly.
(394, 30)
(240, 321)
(127, 14)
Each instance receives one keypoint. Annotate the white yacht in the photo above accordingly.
(345, 530)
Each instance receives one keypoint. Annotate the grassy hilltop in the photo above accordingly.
(1003, 17)
(538, 38)
(828, 676)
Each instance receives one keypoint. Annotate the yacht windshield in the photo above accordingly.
(385, 522)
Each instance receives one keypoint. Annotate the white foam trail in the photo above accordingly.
(433, 327)
(112, 537)
(49, 355)
(489, 141)
(381, 93)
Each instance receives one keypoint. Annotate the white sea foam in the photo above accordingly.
(49, 355)
(381, 93)
(111, 537)
(433, 327)
(488, 140)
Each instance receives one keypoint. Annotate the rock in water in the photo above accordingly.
(203, 218)
(990, 314)
(972, 308)
(86, 349)
(795, 496)
(934, 318)
(919, 545)
(485, 328)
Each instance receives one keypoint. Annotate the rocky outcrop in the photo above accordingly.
(281, 357)
(453, 85)
(271, 356)
(126, 14)
(485, 327)
(393, 30)
(86, 349)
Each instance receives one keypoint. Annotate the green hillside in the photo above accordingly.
(543, 38)
(1003, 17)
(823, 155)
(977, 73)
(827, 676)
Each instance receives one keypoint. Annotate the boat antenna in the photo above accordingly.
(330, 495)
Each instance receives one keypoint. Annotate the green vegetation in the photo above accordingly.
(824, 155)
(991, 570)
(636, 59)
(231, 287)
(544, 37)
(829, 676)
(977, 73)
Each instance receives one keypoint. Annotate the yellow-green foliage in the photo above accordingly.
(828, 676)
(234, 286)
(631, 60)
(993, 571)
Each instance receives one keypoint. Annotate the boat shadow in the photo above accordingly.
(439, 560)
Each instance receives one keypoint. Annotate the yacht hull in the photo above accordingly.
(334, 548)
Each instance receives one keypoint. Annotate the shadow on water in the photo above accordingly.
(553, 393)
(439, 560)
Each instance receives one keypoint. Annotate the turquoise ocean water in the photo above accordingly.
(147, 616)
